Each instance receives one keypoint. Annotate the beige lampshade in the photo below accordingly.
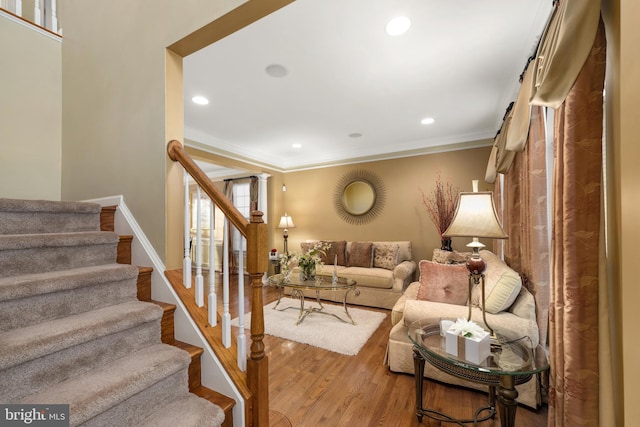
(476, 217)
(286, 222)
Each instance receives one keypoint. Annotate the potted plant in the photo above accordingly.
(306, 262)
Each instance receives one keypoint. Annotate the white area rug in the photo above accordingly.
(319, 330)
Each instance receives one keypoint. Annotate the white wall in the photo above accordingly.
(30, 112)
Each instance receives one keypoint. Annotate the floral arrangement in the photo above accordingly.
(307, 261)
(441, 204)
(468, 329)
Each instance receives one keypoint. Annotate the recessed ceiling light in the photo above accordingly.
(276, 70)
(297, 145)
(427, 121)
(398, 26)
(200, 100)
(355, 135)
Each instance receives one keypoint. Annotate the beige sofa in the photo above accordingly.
(381, 273)
(512, 306)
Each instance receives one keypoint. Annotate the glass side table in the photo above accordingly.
(509, 364)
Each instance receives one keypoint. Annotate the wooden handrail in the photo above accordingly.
(177, 154)
(255, 231)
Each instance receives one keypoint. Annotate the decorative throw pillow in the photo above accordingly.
(449, 257)
(385, 255)
(360, 254)
(502, 284)
(524, 306)
(336, 252)
(448, 283)
(306, 246)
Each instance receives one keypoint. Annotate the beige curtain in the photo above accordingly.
(253, 194)
(573, 326)
(563, 49)
(524, 207)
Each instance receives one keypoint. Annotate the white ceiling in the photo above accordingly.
(459, 63)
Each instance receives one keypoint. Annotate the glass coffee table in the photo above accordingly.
(509, 364)
(321, 283)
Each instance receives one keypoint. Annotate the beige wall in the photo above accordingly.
(310, 193)
(113, 99)
(623, 98)
(30, 113)
(309, 200)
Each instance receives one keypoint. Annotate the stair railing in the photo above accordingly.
(44, 13)
(255, 233)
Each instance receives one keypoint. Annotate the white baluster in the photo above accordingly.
(241, 340)
(199, 279)
(186, 260)
(19, 7)
(226, 316)
(212, 301)
(54, 16)
(37, 13)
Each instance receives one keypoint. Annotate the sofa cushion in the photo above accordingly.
(385, 255)
(360, 255)
(502, 284)
(370, 277)
(447, 283)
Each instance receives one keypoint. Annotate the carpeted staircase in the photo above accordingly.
(72, 330)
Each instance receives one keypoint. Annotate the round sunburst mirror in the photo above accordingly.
(359, 196)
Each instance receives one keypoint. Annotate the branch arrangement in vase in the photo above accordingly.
(441, 206)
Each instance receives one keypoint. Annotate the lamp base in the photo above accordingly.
(476, 266)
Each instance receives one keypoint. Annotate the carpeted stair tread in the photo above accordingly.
(24, 344)
(28, 285)
(107, 386)
(63, 293)
(35, 253)
(72, 330)
(55, 240)
(22, 205)
(44, 216)
(190, 411)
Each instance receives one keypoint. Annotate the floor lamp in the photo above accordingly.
(285, 223)
(476, 217)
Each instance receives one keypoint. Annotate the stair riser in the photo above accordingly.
(143, 404)
(40, 308)
(37, 374)
(15, 262)
(47, 222)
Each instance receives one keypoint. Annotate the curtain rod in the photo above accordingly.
(531, 58)
(242, 177)
(506, 113)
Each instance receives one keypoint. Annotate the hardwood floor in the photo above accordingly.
(311, 386)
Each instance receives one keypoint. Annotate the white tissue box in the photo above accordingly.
(473, 349)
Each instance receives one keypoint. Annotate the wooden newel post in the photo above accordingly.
(258, 363)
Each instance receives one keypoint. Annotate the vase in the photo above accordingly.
(445, 245)
(307, 272)
(286, 274)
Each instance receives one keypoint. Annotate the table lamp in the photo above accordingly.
(476, 217)
(286, 222)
